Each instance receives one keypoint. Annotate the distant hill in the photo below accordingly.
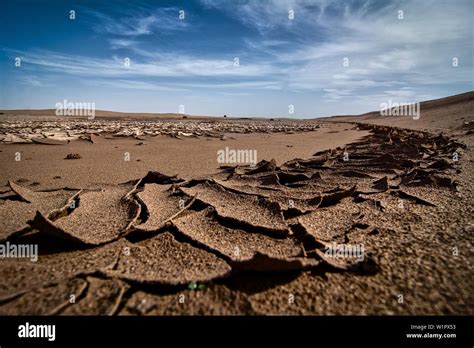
(98, 114)
(112, 115)
(438, 114)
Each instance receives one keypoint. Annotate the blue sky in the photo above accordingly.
(332, 57)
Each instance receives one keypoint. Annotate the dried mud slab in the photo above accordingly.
(420, 177)
(381, 185)
(23, 131)
(244, 250)
(101, 217)
(21, 275)
(49, 141)
(165, 261)
(414, 196)
(7, 194)
(303, 192)
(161, 205)
(332, 198)
(26, 194)
(48, 300)
(103, 297)
(13, 139)
(262, 262)
(45, 201)
(213, 300)
(329, 224)
(364, 265)
(285, 177)
(154, 177)
(298, 200)
(317, 162)
(354, 174)
(246, 210)
(388, 212)
(263, 166)
(15, 215)
(245, 188)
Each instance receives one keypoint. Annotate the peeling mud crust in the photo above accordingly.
(330, 224)
(46, 300)
(240, 209)
(213, 300)
(14, 217)
(18, 210)
(134, 248)
(250, 251)
(102, 297)
(161, 205)
(24, 275)
(86, 223)
(164, 261)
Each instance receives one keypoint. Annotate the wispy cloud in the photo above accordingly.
(122, 43)
(332, 52)
(162, 65)
(138, 22)
(268, 15)
(132, 85)
(380, 50)
(34, 81)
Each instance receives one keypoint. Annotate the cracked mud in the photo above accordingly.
(131, 249)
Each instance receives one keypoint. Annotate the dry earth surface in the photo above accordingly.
(137, 217)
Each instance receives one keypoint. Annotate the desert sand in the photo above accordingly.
(138, 217)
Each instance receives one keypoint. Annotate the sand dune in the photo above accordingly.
(454, 113)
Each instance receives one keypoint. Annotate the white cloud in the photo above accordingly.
(387, 57)
(162, 65)
(382, 50)
(122, 43)
(132, 84)
(140, 22)
(33, 80)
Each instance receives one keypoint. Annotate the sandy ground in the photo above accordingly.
(130, 238)
(104, 161)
